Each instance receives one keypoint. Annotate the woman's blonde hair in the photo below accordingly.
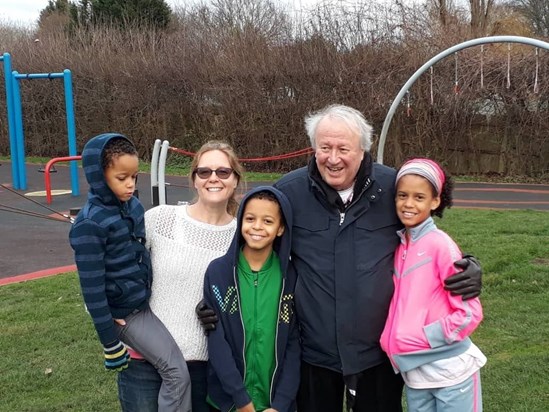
(238, 169)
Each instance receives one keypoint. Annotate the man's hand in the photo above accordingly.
(248, 408)
(206, 316)
(468, 283)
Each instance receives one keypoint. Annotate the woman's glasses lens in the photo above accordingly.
(206, 172)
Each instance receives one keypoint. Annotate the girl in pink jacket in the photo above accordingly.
(427, 331)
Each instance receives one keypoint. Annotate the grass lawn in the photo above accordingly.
(52, 360)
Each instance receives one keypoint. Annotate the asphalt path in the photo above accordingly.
(32, 246)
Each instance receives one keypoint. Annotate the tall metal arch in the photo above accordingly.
(438, 57)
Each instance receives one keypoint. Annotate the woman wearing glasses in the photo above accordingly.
(183, 240)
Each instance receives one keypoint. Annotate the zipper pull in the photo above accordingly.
(341, 218)
(256, 276)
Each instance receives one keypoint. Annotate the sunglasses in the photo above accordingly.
(206, 172)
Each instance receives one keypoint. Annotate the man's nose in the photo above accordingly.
(333, 156)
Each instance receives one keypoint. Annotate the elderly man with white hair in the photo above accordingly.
(344, 237)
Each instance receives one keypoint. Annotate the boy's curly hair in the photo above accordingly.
(115, 148)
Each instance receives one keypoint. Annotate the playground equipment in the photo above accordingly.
(6, 58)
(61, 216)
(48, 169)
(161, 149)
(158, 172)
(15, 121)
(452, 50)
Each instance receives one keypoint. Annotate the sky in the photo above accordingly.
(25, 12)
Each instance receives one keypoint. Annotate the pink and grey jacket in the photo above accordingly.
(425, 322)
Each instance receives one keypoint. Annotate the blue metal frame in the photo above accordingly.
(11, 121)
(19, 139)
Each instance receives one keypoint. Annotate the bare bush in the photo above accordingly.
(248, 72)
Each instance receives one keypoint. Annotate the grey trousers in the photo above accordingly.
(146, 334)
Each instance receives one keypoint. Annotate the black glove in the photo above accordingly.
(206, 316)
(468, 283)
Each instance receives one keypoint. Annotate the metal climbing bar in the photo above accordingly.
(438, 57)
(47, 178)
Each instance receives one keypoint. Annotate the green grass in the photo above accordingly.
(45, 328)
(513, 247)
(43, 325)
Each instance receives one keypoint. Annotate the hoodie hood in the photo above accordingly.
(283, 243)
(91, 162)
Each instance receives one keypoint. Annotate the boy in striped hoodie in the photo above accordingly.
(108, 238)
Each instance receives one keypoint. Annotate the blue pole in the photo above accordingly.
(71, 130)
(31, 76)
(11, 122)
(19, 135)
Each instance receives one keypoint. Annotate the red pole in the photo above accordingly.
(47, 179)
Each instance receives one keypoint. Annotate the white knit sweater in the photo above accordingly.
(181, 250)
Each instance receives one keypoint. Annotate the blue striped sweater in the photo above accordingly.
(108, 238)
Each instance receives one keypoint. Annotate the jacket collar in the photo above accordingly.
(362, 180)
(417, 232)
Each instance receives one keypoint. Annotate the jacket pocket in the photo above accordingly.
(115, 291)
(373, 222)
(121, 291)
(311, 222)
(311, 239)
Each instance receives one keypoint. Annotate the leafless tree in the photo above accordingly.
(480, 16)
(443, 8)
(261, 16)
(537, 13)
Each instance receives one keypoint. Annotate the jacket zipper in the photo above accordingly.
(254, 332)
(276, 340)
(233, 407)
(342, 214)
(396, 297)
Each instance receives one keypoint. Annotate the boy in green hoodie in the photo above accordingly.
(254, 350)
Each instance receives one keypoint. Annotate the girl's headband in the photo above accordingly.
(426, 168)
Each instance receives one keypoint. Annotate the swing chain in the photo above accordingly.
(456, 83)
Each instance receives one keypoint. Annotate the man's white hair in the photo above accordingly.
(351, 117)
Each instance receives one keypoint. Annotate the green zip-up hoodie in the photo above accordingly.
(259, 290)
